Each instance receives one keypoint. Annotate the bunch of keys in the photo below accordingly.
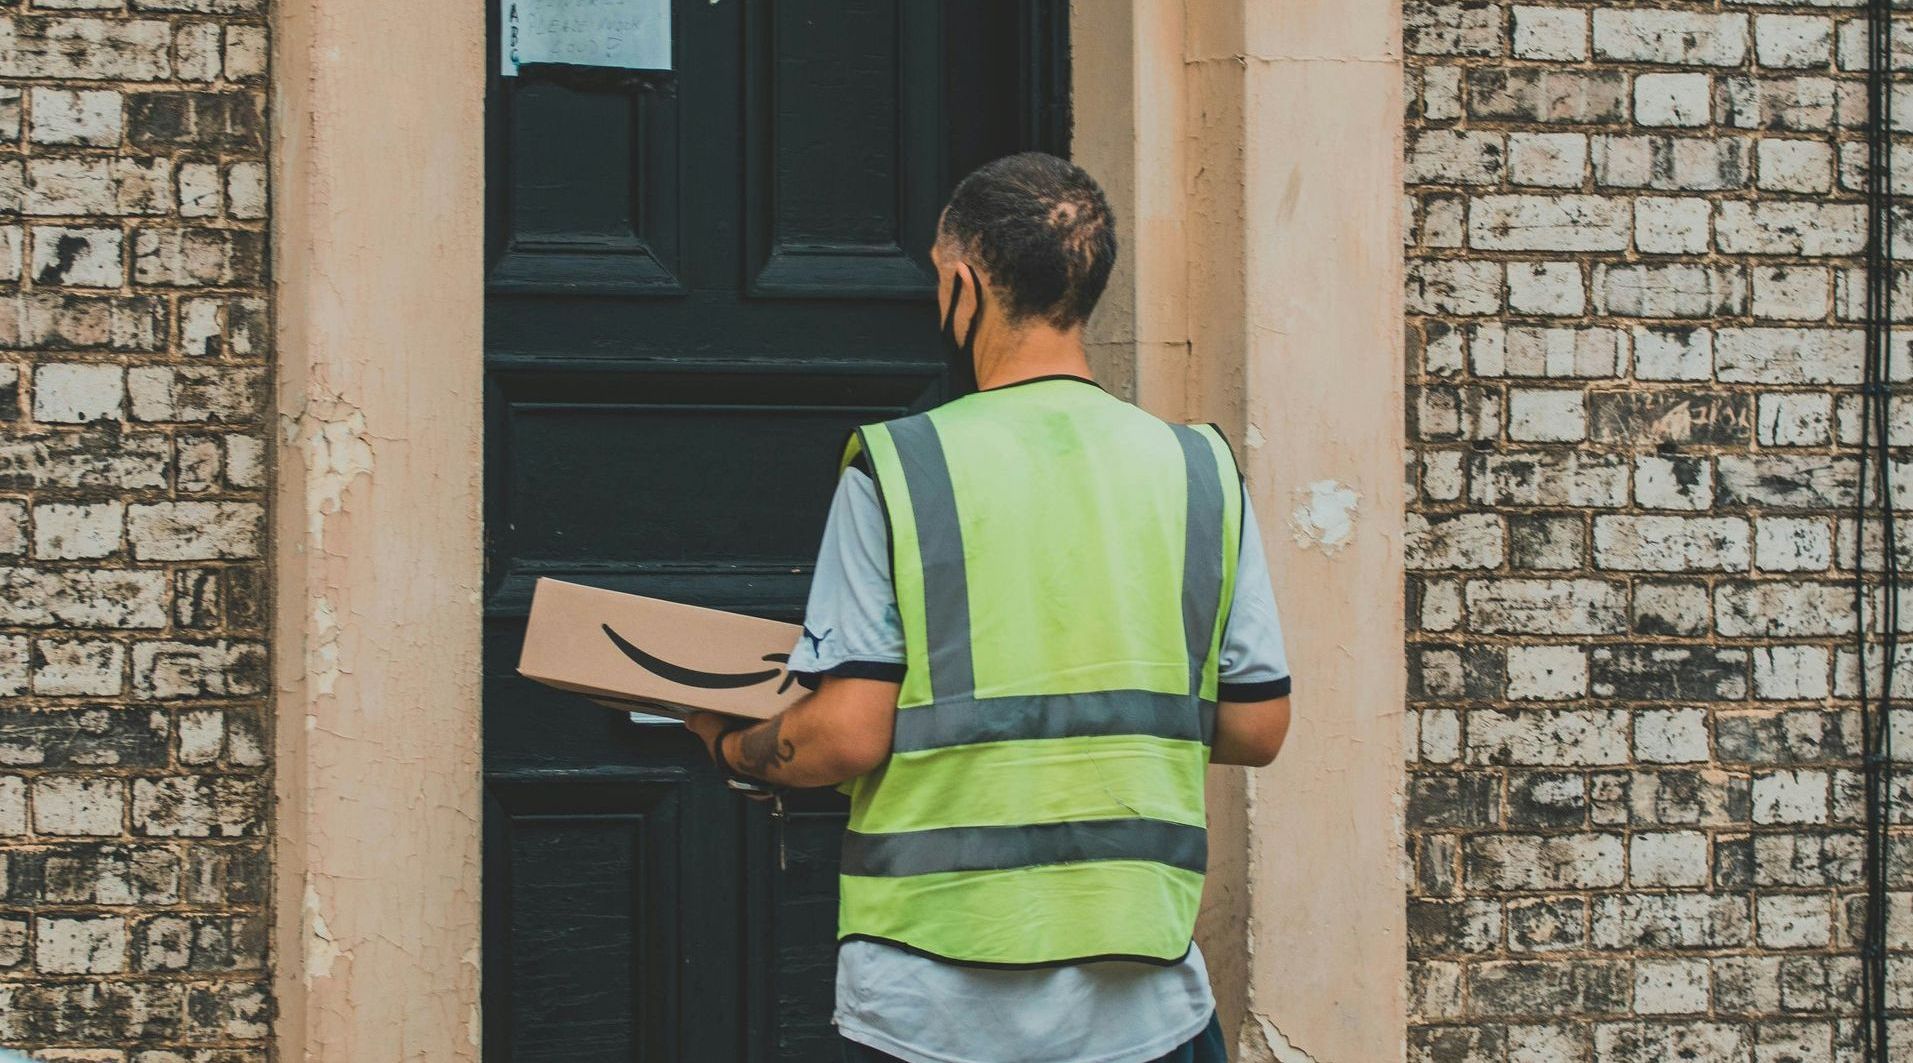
(761, 792)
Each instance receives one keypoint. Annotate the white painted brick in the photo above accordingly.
(1669, 290)
(79, 945)
(196, 51)
(1549, 223)
(78, 257)
(1669, 987)
(1674, 37)
(13, 805)
(1788, 355)
(1794, 165)
(1556, 607)
(1452, 156)
(1451, 286)
(1780, 104)
(1440, 736)
(1550, 33)
(1547, 673)
(1790, 797)
(1441, 93)
(1559, 352)
(1549, 862)
(82, 117)
(1806, 229)
(1793, 42)
(13, 527)
(1548, 288)
(1671, 736)
(246, 189)
(199, 190)
(1793, 419)
(70, 531)
(1442, 479)
(246, 51)
(1790, 673)
(1673, 353)
(77, 805)
(1673, 99)
(1549, 160)
(1793, 544)
(1670, 483)
(1440, 605)
(1462, 541)
(1672, 544)
(1792, 293)
(71, 393)
(191, 531)
(1672, 163)
(1547, 737)
(1673, 226)
(1547, 416)
(79, 667)
(1793, 921)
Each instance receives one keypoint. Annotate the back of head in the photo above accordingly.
(1042, 229)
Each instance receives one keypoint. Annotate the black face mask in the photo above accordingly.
(966, 348)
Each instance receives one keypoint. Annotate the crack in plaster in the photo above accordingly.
(1324, 515)
(1261, 1041)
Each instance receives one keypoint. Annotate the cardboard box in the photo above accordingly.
(638, 654)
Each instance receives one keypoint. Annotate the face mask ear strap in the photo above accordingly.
(956, 292)
(976, 321)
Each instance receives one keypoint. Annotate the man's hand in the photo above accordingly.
(708, 726)
(835, 734)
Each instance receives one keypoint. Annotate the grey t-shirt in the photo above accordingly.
(925, 1011)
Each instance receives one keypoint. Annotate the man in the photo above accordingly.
(1038, 613)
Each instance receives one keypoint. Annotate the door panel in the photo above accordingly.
(699, 281)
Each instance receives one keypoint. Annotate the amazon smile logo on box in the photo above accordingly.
(625, 650)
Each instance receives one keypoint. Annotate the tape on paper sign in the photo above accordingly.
(622, 34)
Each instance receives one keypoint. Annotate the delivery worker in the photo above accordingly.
(1038, 614)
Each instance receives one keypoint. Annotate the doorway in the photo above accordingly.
(697, 283)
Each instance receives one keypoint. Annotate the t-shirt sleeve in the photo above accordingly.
(851, 624)
(1254, 665)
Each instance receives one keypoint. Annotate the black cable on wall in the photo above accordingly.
(1874, 505)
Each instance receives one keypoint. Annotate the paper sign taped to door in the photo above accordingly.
(625, 34)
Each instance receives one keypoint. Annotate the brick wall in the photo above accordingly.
(1633, 302)
(133, 349)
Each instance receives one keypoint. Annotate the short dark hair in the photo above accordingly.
(1043, 229)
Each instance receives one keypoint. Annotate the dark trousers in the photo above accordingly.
(1205, 1047)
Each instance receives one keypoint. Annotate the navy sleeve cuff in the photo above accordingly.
(888, 671)
(1267, 690)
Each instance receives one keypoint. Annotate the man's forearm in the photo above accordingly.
(835, 734)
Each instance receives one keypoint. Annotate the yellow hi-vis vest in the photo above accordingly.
(1062, 563)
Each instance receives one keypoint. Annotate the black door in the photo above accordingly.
(698, 282)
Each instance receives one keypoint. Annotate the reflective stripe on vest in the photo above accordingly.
(1043, 800)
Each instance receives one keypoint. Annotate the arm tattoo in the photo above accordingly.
(763, 748)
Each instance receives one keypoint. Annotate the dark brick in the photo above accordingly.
(102, 1013)
(1546, 990)
(1546, 925)
(1547, 799)
(1447, 927)
(57, 738)
(1640, 418)
(206, 121)
(1465, 800)
(1449, 673)
(1668, 673)
(93, 874)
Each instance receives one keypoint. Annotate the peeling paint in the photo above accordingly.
(321, 950)
(329, 433)
(1324, 515)
(1261, 1041)
(1254, 437)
